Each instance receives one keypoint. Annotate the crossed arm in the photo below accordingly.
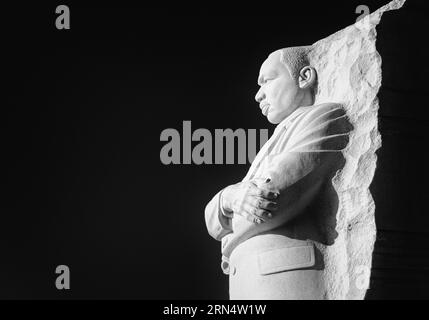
(294, 175)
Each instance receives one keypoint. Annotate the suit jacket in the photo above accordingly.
(301, 158)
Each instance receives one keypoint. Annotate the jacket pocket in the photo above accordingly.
(285, 259)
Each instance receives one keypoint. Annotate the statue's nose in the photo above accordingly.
(259, 96)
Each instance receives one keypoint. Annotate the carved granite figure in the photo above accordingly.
(269, 222)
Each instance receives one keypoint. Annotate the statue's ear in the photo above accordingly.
(307, 77)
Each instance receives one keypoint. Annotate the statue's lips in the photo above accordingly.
(265, 109)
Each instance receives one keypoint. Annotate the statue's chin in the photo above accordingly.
(273, 119)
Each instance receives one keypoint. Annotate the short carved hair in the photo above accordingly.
(295, 58)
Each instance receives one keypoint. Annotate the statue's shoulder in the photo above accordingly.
(325, 111)
(329, 107)
(332, 117)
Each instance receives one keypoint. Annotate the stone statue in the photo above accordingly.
(301, 224)
(269, 222)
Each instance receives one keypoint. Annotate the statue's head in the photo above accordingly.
(287, 81)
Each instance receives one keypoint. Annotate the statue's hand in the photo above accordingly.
(250, 199)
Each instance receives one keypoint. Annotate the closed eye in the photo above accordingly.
(263, 81)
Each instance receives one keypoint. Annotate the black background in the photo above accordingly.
(82, 182)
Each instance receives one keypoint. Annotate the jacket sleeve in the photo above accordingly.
(218, 221)
(312, 153)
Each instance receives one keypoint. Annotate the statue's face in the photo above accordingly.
(278, 95)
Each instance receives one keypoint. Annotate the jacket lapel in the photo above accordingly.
(269, 145)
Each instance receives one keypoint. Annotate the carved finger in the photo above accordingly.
(265, 193)
(249, 212)
(261, 203)
(267, 205)
(260, 213)
(263, 214)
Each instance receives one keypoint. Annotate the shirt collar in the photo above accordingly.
(290, 118)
